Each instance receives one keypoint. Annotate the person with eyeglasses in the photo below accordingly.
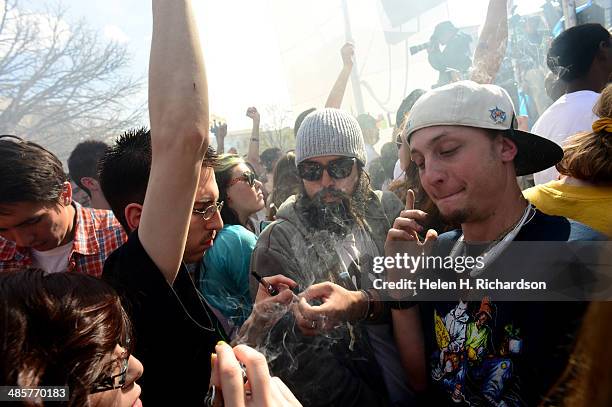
(327, 235)
(224, 269)
(161, 186)
(70, 331)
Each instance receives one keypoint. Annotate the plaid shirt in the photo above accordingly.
(97, 234)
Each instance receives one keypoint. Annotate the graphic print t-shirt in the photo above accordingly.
(490, 353)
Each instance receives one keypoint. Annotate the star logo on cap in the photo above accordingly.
(497, 115)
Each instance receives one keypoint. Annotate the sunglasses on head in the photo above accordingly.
(337, 169)
(247, 177)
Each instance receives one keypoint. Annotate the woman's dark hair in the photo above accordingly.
(571, 54)
(286, 179)
(406, 106)
(29, 172)
(223, 175)
(58, 330)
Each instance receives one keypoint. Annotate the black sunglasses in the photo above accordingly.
(337, 169)
(247, 177)
(112, 382)
(116, 381)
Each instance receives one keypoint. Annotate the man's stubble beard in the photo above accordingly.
(468, 213)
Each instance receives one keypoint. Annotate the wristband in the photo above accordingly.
(255, 140)
(369, 314)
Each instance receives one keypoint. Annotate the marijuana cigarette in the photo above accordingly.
(269, 287)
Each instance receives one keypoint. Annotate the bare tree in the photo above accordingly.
(59, 82)
(277, 132)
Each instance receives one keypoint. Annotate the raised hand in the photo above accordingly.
(347, 51)
(221, 131)
(406, 227)
(253, 114)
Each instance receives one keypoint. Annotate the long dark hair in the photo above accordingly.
(286, 179)
(223, 175)
(57, 330)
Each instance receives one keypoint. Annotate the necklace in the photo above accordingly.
(496, 247)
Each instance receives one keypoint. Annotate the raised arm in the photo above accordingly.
(253, 153)
(337, 93)
(220, 134)
(178, 110)
(492, 43)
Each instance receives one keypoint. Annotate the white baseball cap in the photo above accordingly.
(468, 103)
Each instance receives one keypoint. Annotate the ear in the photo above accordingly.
(90, 183)
(508, 149)
(132, 214)
(66, 194)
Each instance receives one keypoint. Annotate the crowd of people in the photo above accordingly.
(196, 277)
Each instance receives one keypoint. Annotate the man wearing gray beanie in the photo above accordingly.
(325, 238)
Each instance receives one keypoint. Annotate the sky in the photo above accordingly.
(285, 53)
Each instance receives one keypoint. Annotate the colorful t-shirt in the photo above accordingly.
(489, 352)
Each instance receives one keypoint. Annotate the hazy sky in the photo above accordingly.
(285, 52)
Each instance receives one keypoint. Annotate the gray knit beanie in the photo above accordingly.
(329, 132)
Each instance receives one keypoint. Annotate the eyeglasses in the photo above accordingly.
(247, 177)
(116, 381)
(210, 211)
(337, 169)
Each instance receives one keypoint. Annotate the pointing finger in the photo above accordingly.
(410, 199)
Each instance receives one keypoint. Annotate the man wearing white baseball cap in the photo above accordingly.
(463, 139)
(476, 349)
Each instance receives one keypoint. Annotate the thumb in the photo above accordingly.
(410, 199)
